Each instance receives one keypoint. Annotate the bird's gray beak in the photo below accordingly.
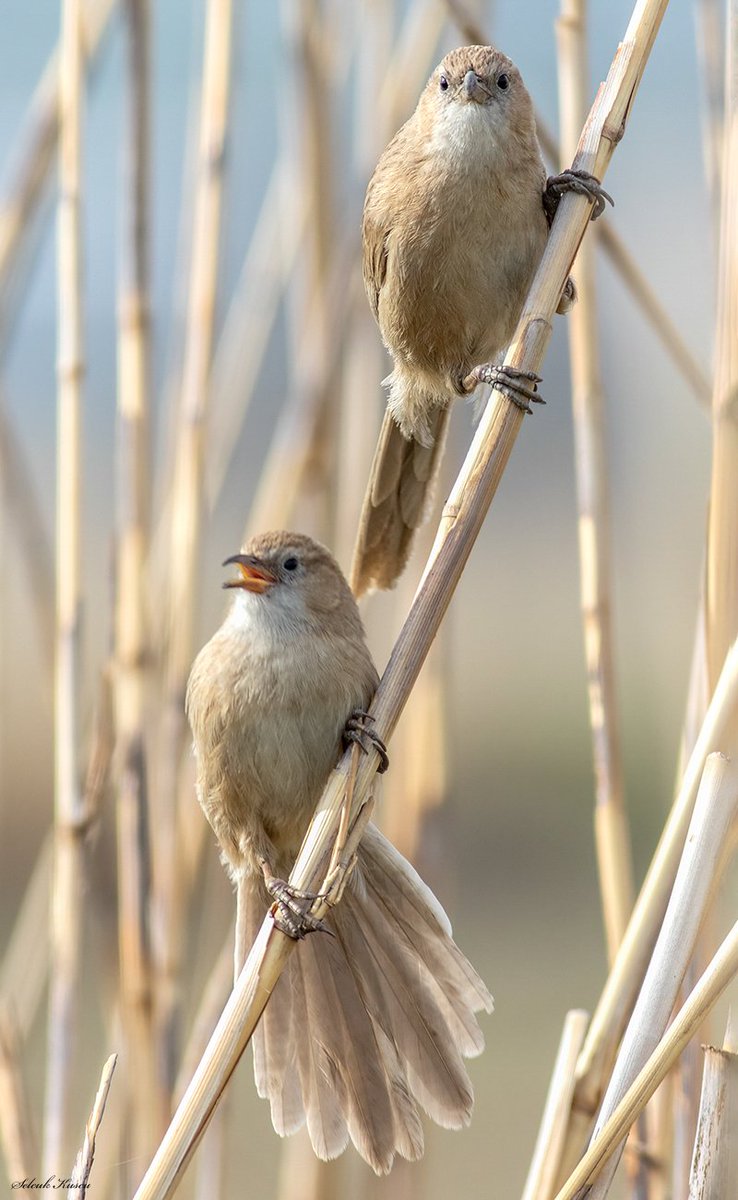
(255, 576)
(474, 88)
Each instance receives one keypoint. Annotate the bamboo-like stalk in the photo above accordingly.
(33, 161)
(146, 1105)
(17, 1128)
(710, 41)
(624, 980)
(722, 535)
(613, 246)
(715, 1159)
(20, 500)
(541, 1179)
(70, 813)
(460, 526)
(694, 887)
(186, 506)
(80, 1177)
(25, 964)
(612, 836)
(722, 968)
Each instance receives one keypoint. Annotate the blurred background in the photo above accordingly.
(510, 849)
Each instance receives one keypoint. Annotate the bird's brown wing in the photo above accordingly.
(375, 236)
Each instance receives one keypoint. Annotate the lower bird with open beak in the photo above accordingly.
(370, 1025)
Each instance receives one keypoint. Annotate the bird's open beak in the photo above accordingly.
(255, 575)
(475, 89)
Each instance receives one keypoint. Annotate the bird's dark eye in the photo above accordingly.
(503, 82)
(290, 564)
(443, 83)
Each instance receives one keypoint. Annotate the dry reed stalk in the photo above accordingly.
(612, 245)
(612, 835)
(624, 980)
(186, 510)
(722, 968)
(80, 1177)
(25, 964)
(70, 811)
(710, 42)
(34, 157)
(20, 501)
(715, 1159)
(17, 1128)
(694, 889)
(542, 1173)
(722, 535)
(461, 523)
(146, 1105)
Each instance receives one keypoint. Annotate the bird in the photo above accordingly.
(455, 221)
(375, 1011)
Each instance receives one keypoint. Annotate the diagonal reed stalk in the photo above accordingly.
(721, 970)
(146, 1106)
(83, 1165)
(70, 812)
(694, 888)
(186, 509)
(541, 1178)
(462, 520)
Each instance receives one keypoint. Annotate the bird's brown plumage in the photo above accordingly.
(453, 230)
(367, 1027)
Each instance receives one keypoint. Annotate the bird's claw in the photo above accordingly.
(291, 909)
(359, 731)
(508, 380)
(580, 182)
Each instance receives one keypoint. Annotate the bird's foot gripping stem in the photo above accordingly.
(291, 908)
(575, 181)
(358, 729)
(519, 386)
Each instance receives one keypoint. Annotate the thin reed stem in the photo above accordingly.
(146, 1106)
(70, 813)
(612, 834)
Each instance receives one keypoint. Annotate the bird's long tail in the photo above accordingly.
(367, 1027)
(400, 487)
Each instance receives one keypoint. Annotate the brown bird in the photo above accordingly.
(369, 1025)
(455, 221)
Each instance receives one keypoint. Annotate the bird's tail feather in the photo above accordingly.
(365, 1026)
(400, 487)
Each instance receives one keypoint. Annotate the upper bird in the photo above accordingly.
(456, 217)
(367, 1026)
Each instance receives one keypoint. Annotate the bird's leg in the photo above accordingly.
(518, 386)
(575, 181)
(358, 729)
(291, 908)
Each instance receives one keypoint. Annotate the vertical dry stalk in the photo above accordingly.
(146, 1109)
(541, 1179)
(17, 1130)
(624, 980)
(715, 1159)
(611, 821)
(472, 497)
(711, 985)
(34, 158)
(83, 1164)
(722, 536)
(710, 41)
(70, 813)
(694, 887)
(186, 504)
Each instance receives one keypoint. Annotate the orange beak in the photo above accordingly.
(255, 575)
